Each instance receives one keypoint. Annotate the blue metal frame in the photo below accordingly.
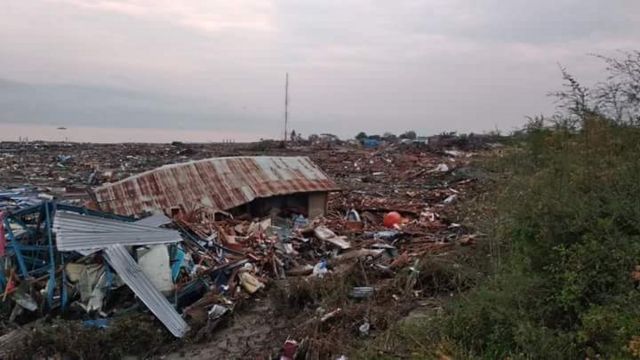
(64, 296)
(42, 257)
(39, 257)
(81, 210)
(51, 285)
(3, 280)
(16, 249)
(177, 263)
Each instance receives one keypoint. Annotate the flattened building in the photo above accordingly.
(235, 184)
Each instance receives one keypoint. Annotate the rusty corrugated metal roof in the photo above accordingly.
(218, 183)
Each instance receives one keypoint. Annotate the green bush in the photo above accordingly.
(569, 228)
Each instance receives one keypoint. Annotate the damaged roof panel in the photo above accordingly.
(155, 220)
(76, 232)
(131, 273)
(219, 183)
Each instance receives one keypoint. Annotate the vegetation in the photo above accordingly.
(563, 242)
(361, 136)
(387, 136)
(411, 135)
(136, 335)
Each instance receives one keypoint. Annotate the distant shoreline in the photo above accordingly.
(33, 132)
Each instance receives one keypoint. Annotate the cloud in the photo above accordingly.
(206, 16)
(430, 65)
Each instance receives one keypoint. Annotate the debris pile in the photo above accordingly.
(191, 265)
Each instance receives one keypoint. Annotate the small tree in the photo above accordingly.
(411, 135)
(619, 96)
(616, 99)
(361, 136)
(389, 136)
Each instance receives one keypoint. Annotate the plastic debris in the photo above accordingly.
(289, 350)
(300, 222)
(353, 215)
(450, 199)
(320, 269)
(361, 292)
(441, 168)
(364, 328)
(249, 282)
(25, 301)
(217, 311)
(97, 323)
(392, 219)
(324, 234)
(388, 235)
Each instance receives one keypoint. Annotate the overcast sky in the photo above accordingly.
(373, 65)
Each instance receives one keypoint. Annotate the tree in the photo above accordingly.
(575, 99)
(617, 98)
(411, 135)
(361, 136)
(389, 136)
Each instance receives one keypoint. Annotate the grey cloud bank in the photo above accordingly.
(375, 65)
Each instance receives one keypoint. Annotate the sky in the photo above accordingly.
(215, 66)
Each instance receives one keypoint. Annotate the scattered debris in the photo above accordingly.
(441, 168)
(450, 199)
(192, 252)
(289, 350)
(361, 292)
(364, 329)
(324, 234)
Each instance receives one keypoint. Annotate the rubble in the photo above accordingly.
(193, 267)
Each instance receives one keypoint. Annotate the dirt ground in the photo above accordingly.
(248, 334)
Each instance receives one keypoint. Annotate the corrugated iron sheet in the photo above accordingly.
(131, 273)
(155, 220)
(218, 183)
(76, 232)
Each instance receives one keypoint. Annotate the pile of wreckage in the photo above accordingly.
(191, 239)
(56, 256)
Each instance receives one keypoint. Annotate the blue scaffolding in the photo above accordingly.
(31, 246)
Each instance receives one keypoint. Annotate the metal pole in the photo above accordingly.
(51, 286)
(286, 106)
(16, 248)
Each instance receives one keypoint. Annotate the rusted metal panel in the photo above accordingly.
(218, 183)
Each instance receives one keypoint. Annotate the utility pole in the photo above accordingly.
(286, 106)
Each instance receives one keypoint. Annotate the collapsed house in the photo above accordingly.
(253, 185)
(57, 257)
(58, 253)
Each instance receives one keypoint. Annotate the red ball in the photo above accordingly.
(391, 219)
